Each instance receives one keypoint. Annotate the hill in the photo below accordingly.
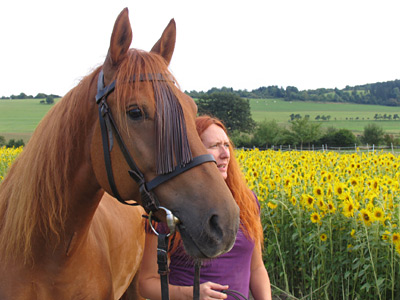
(380, 93)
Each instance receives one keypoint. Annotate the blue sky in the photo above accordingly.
(48, 46)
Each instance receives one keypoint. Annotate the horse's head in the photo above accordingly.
(140, 103)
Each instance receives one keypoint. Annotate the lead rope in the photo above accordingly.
(162, 261)
(196, 283)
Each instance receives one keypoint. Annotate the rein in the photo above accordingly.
(109, 130)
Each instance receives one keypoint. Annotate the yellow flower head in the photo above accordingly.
(379, 214)
(323, 237)
(385, 236)
(331, 207)
(366, 216)
(293, 200)
(308, 200)
(321, 204)
(396, 238)
(318, 192)
(348, 209)
(340, 190)
(315, 217)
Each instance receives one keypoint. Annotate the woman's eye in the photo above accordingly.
(135, 113)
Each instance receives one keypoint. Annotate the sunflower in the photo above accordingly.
(379, 214)
(396, 238)
(348, 208)
(340, 190)
(385, 236)
(321, 204)
(323, 237)
(307, 200)
(315, 217)
(366, 216)
(272, 205)
(353, 181)
(293, 200)
(287, 181)
(331, 207)
(318, 192)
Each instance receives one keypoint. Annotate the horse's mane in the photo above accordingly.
(32, 195)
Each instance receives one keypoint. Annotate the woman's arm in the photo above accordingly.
(150, 283)
(260, 285)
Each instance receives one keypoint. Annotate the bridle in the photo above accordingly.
(109, 130)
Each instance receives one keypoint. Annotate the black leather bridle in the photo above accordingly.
(109, 130)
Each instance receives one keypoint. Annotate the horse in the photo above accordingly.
(126, 132)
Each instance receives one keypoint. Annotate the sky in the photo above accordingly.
(47, 46)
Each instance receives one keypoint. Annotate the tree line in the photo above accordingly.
(380, 93)
(235, 112)
(25, 96)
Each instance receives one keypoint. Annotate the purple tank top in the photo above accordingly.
(232, 268)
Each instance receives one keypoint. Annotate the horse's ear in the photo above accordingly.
(121, 40)
(166, 44)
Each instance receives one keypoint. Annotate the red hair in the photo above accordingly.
(249, 209)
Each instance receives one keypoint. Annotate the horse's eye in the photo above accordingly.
(135, 114)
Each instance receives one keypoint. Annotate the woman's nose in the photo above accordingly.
(224, 152)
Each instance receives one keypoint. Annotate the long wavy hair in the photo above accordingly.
(249, 209)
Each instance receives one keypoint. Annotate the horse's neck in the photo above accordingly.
(82, 191)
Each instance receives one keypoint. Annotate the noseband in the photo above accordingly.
(109, 130)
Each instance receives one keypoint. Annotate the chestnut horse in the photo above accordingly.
(61, 235)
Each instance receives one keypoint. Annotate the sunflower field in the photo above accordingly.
(331, 222)
(7, 156)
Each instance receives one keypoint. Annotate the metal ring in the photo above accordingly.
(171, 221)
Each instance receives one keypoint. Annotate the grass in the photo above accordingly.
(19, 118)
(341, 113)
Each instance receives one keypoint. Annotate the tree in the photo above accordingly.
(303, 131)
(230, 108)
(2, 141)
(49, 100)
(372, 135)
(267, 133)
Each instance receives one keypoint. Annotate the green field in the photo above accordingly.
(19, 118)
(341, 113)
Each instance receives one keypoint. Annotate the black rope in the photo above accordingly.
(235, 294)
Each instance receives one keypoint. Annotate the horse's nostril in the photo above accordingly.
(215, 227)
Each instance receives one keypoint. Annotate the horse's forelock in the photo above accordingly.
(172, 146)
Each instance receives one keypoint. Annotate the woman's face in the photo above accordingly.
(216, 142)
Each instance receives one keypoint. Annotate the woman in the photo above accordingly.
(240, 269)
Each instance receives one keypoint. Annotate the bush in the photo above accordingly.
(13, 143)
(373, 135)
(338, 138)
